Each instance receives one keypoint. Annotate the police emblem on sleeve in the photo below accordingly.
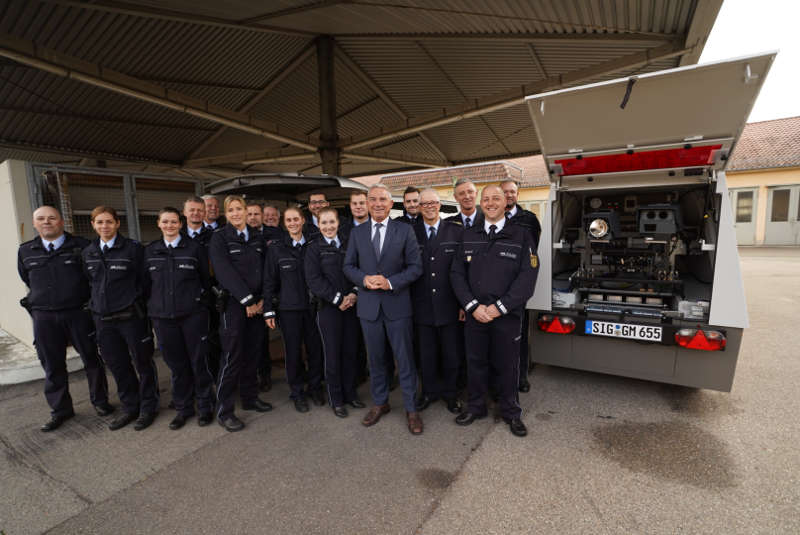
(534, 260)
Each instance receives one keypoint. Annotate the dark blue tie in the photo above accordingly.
(492, 231)
(467, 222)
(376, 239)
(432, 235)
(51, 247)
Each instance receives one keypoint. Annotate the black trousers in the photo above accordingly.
(298, 328)
(214, 353)
(493, 348)
(523, 349)
(265, 360)
(440, 350)
(339, 332)
(242, 340)
(184, 345)
(52, 332)
(127, 349)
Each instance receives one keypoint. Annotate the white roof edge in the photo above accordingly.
(652, 74)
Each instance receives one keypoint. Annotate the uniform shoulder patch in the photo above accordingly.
(534, 260)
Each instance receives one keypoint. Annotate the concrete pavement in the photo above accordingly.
(604, 455)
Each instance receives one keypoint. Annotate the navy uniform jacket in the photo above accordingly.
(272, 233)
(57, 280)
(177, 279)
(203, 238)
(477, 218)
(501, 271)
(116, 277)
(324, 271)
(432, 294)
(399, 262)
(284, 277)
(405, 219)
(529, 222)
(238, 263)
(310, 230)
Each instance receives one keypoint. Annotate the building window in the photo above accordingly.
(780, 205)
(744, 207)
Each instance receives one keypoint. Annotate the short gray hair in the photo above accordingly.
(380, 186)
(462, 181)
(430, 190)
(209, 196)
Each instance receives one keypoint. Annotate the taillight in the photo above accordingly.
(556, 324)
(700, 339)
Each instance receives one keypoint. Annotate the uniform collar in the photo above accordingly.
(436, 226)
(301, 242)
(499, 225)
(213, 225)
(194, 232)
(58, 242)
(314, 220)
(109, 244)
(512, 212)
(333, 241)
(471, 218)
(173, 243)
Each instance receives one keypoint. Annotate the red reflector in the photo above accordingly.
(699, 339)
(556, 324)
(638, 161)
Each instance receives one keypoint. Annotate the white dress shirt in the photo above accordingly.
(58, 242)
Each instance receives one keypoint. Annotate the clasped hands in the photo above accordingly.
(376, 282)
(485, 314)
(348, 301)
(256, 309)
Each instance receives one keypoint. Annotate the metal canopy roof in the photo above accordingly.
(211, 89)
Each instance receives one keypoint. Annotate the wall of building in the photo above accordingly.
(16, 216)
(763, 179)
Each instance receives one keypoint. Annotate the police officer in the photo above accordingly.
(113, 264)
(336, 313)
(436, 309)
(466, 194)
(316, 202)
(237, 254)
(516, 215)
(213, 220)
(177, 283)
(493, 277)
(411, 199)
(255, 220)
(51, 267)
(194, 210)
(285, 279)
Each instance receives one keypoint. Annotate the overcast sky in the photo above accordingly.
(748, 26)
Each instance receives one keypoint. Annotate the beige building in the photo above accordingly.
(764, 183)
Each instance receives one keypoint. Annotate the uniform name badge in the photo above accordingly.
(534, 261)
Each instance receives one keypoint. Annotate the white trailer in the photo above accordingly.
(639, 272)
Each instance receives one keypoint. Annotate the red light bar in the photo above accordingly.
(639, 161)
(556, 324)
(699, 339)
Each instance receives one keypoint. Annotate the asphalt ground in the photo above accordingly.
(604, 455)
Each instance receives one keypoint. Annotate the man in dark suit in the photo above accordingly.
(383, 260)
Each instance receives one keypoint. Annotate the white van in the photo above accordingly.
(639, 269)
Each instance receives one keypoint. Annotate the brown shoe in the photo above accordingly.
(414, 423)
(375, 414)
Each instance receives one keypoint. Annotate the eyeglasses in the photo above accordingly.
(429, 204)
(317, 202)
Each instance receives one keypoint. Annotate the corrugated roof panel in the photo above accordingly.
(294, 101)
(367, 118)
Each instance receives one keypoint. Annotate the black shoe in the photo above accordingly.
(318, 397)
(232, 424)
(516, 426)
(104, 409)
(340, 411)
(122, 420)
(466, 418)
(257, 405)
(205, 419)
(177, 422)
(265, 384)
(357, 403)
(301, 405)
(56, 421)
(454, 405)
(524, 386)
(423, 402)
(144, 420)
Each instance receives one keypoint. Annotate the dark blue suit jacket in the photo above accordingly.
(399, 262)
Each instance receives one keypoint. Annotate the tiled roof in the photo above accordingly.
(529, 171)
(768, 144)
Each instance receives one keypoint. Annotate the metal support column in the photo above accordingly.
(328, 150)
(131, 207)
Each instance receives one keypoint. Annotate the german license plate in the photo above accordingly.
(623, 330)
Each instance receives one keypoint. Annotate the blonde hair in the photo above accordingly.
(233, 198)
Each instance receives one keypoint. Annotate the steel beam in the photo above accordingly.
(293, 11)
(131, 207)
(328, 136)
(514, 97)
(95, 74)
(387, 158)
(280, 76)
